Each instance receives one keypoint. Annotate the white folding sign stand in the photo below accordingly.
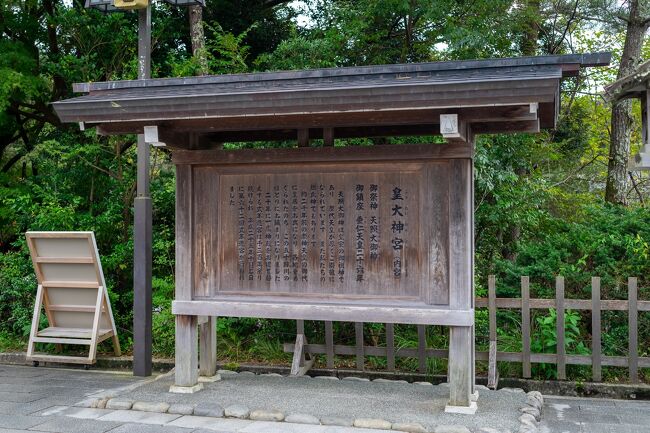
(72, 292)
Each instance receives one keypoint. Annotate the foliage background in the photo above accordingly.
(539, 198)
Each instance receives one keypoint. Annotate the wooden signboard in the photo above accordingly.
(323, 239)
(381, 234)
(72, 293)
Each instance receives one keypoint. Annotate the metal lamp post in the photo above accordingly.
(142, 235)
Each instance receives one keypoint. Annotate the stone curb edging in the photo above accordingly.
(111, 400)
(531, 412)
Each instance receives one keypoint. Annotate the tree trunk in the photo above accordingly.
(619, 147)
(198, 39)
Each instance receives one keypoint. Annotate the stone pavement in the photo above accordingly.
(35, 400)
(591, 415)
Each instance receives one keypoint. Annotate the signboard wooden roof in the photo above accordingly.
(492, 96)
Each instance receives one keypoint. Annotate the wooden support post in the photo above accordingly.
(493, 374)
(461, 341)
(633, 315)
(460, 380)
(390, 346)
(525, 327)
(187, 373)
(208, 347)
(596, 369)
(561, 351)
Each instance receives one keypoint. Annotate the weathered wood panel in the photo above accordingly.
(297, 225)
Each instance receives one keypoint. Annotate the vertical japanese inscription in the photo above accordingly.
(320, 233)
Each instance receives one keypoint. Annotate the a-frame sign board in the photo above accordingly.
(72, 292)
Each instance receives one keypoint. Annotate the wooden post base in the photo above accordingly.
(466, 410)
(176, 389)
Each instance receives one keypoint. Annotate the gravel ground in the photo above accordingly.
(394, 402)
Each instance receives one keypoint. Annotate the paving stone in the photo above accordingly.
(237, 411)
(283, 427)
(226, 372)
(451, 429)
(145, 406)
(333, 420)
(19, 397)
(148, 428)
(64, 424)
(410, 427)
(89, 402)
(376, 423)
(423, 383)
(86, 412)
(202, 422)
(208, 409)
(358, 379)
(247, 373)
(54, 410)
(19, 421)
(266, 415)
(119, 404)
(271, 375)
(302, 418)
(181, 409)
(139, 417)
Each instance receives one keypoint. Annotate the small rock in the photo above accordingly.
(451, 429)
(302, 418)
(180, 409)
(101, 403)
(208, 409)
(488, 430)
(118, 404)
(423, 383)
(237, 411)
(271, 374)
(536, 395)
(531, 411)
(247, 373)
(527, 419)
(410, 427)
(145, 406)
(358, 379)
(381, 380)
(326, 377)
(226, 372)
(512, 390)
(333, 420)
(266, 415)
(380, 424)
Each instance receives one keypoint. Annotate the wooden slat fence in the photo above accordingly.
(526, 357)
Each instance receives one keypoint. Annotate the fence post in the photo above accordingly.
(559, 302)
(633, 353)
(492, 314)
(329, 343)
(525, 327)
(596, 370)
(358, 330)
(422, 347)
(390, 346)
